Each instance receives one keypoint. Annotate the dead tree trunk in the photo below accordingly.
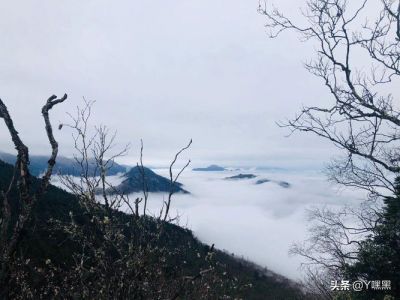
(11, 233)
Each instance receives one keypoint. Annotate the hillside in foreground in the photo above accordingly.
(64, 255)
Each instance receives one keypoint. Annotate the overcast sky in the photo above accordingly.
(164, 71)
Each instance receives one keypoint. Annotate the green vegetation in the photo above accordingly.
(379, 254)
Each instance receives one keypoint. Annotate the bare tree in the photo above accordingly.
(95, 156)
(174, 179)
(144, 181)
(358, 60)
(335, 239)
(127, 254)
(363, 118)
(22, 211)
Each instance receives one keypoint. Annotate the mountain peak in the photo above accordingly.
(137, 179)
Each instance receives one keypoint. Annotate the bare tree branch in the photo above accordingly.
(173, 179)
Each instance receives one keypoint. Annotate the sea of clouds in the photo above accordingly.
(257, 222)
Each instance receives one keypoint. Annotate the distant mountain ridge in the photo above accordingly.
(64, 165)
(241, 176)
(211, 168)
(133, 182)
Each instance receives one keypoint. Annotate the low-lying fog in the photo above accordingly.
(258, 222)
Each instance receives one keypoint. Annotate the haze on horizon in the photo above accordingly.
(163, 72)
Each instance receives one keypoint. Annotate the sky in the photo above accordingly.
(164, 72)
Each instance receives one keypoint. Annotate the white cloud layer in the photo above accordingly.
(258, 222)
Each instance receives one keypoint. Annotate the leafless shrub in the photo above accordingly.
(95, 156)
(125, 255)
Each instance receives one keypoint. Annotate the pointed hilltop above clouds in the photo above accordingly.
(133, 182)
